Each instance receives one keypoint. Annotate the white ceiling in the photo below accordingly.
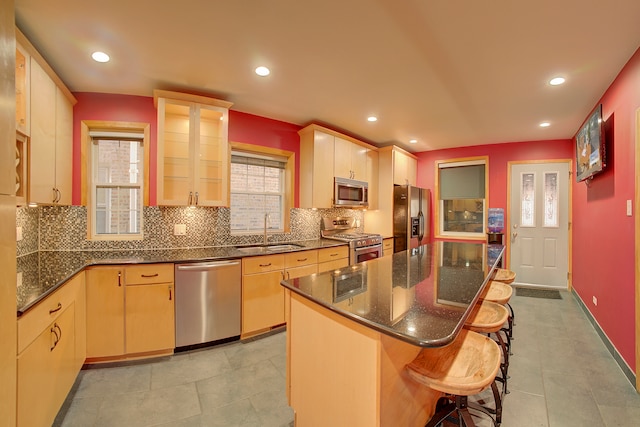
(446, 72)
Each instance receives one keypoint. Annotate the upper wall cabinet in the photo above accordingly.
(49, 124)
(405, 168)
(325, 154)
(350, 160)
(23, 61)
(193, 150)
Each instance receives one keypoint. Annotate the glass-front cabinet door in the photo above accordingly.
(193, 152)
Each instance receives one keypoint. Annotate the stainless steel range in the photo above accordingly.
(362, 246)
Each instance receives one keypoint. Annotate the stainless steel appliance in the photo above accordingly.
(349, 282)
(350, 193)
(410, 217)
(362, 246)
(208, 302)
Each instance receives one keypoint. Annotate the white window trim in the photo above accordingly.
(444, 164)
(282, 193)
(93, 235)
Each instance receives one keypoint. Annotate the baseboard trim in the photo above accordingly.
(607, 343)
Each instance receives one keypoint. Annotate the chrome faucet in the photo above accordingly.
(267, 217)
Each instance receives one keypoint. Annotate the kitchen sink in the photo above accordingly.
(265, 249)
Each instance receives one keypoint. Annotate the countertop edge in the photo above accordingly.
(136, 258)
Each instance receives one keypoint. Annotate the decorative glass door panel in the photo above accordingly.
(212, 156)
(176, 161)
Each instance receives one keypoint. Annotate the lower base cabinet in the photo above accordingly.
(50, 361)
(130, 311)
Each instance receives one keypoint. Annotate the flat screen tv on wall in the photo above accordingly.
(590, 146)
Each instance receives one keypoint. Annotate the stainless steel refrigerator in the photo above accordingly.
(410, 217)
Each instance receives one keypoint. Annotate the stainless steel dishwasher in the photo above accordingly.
(208, 302)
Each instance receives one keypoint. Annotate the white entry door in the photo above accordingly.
(539, 223)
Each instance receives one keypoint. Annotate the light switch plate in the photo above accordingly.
(179, 229)
(18, 234)
(629, 208)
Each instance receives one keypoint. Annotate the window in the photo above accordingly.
(257, 189)
(461, 187)
(117, 172)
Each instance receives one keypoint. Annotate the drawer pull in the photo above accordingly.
(149, 275)
(333, 255)
(56, 309)
(119, 278)
(301, 260)
(265, 265)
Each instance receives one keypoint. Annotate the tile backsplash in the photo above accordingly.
(65, 228)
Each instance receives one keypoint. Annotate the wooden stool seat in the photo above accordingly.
(465, 367)
(503, 275)
(497, 292)
(487, 317)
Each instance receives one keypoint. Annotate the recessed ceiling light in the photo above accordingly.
(372, 119)
(100, 57)
(545, 124)
(556, 81)
(413, 141)
(263, 71)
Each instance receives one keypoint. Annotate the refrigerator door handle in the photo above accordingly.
(421, 227)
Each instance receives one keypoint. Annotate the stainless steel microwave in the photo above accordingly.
(350, 193)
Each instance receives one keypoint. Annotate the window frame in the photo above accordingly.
(289, 158)
(86, 154)
(439, 216)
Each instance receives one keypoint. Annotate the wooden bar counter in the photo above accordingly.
(350, 332)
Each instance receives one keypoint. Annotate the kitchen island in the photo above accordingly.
(350, 332)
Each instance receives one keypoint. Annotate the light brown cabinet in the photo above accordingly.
(262, 294)
(193, 150)
(130, 311)
(49, 124)
(387, 246)
(51, 351)
(325, 154)
(333, 258)
(23, 61)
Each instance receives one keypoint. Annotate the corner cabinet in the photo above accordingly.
(47, 114)
(193, 150)
(51, 351)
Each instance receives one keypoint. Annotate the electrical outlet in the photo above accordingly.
(179, 229)
(19, 279)
(18, 234)
(595, 300)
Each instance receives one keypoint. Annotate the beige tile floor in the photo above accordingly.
(562, 375)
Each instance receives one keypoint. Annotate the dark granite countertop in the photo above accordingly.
(422, 296)
(41, 273)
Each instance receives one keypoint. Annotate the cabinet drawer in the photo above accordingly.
(148, 273)
(333, 265)
(330, 254)
(296, 259)
(32, 323)
(303, 270)
(261, 264)
(387, 245)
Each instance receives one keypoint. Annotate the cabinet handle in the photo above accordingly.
(55, 195)
(300, 260)
(288, 275)
(197, 198)
(56, 339)
(190, 197)
(58, 308)
(334, 254)
(170, 293)
(149, 275)
(119, 278)
(265, 265)
(59, 195)
(55, 325)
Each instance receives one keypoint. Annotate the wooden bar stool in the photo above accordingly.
(463, 368)
(500, 293)
(506, 276)
(488, 318)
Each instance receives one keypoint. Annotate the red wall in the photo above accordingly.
(499, 155)
(243, 127)
(603, 235)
